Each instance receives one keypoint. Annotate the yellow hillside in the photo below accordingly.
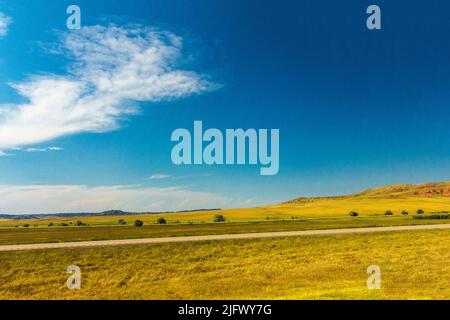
(431, 197)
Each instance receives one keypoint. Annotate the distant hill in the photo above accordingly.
(90, 214)
(432, 189)
(430, 197)
(436, 189)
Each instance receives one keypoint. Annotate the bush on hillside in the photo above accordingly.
(138, 223)
(219, 218)
(161, 221)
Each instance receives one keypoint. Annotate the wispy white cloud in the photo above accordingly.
(112, 69)
(80, 198)
(43, 149)
(159, 176)
(55, 149)
(5, 22)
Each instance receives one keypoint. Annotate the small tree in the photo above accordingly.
(405, 213)
(219, 218)
(353, 214)
(50, 224)
(388, 213)
(161, 221)
(138, 223)
(122, 222)
(79, 223)
(420, 211)
(26, 225)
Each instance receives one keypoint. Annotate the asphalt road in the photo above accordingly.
(127, 242)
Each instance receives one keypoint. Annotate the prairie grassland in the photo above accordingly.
(308, 208)
(414, 265)
(65, 234)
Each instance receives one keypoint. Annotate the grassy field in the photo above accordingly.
(298, 214)
(414, 265)
(63, 234)
(303, 208)
(326, 208)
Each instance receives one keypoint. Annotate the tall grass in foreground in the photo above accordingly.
(414, 265)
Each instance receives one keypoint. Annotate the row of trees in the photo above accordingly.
(62, 224)
(388, 213)
(139, 223)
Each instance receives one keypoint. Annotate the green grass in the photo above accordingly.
(64, 234)
(414, 265)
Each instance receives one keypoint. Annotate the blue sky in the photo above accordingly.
(355, 108)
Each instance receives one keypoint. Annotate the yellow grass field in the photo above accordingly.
(432, 197)
(414, 265)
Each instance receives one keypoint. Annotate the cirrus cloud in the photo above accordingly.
(44, 149)
(112, 68)
(159, 176)
(5, 22)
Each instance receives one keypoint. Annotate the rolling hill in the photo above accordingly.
(431, 197)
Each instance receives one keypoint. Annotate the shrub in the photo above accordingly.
(404, 212)
(138, 223)
(353, 214)
(161, 221)
(219, 218)
(50, 224)
(26, 225)
(420, 211)
(64, 224)
(122, 222)
(388, 213)
(79, 224)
